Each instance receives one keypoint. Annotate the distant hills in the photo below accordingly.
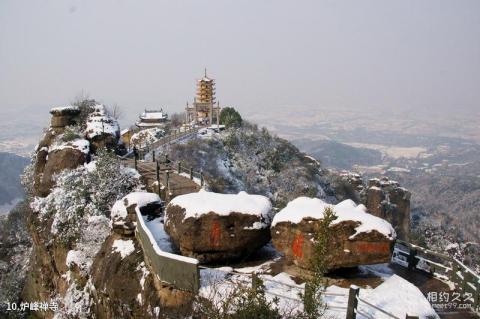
(11, 191)
(338, 155)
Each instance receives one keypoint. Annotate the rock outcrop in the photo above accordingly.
(64, 116)
(386, 199)
(218, 227)
(70, 141)
(102, 130)
(123, 214)
(348, 185)
(67, 155)
(382, 197)
(358, 237)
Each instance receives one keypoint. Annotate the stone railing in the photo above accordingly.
(179, 271)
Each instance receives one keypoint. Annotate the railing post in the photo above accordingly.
(466, 278)
(179, 167)
(191, 172)
(453, 277)
(476, 297)
(168, 180)
(201, 179)
(411, 258)
(136, 163)
(158, 178)
(352, 302)
(153, 156)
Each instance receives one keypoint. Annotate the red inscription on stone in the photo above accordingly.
(215, 235)
(371, 247)
(297, 245)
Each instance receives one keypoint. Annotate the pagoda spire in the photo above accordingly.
(205, 72)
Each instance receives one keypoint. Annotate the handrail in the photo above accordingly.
(377, 308)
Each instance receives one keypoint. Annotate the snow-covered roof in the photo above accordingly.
(147, 124)
(124, 131)
(153, 115)
(99, 122)
(203, 202)
(347, 210)
(81, 145)
(205, 79)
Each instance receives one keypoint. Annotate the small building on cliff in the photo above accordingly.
(152, 118)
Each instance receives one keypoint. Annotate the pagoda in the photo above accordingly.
(205, 110)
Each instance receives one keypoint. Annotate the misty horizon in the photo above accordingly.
(403, 56)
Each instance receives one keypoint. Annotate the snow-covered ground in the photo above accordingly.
(395, 295)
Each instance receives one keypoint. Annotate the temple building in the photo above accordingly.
(204, 110)
(152, 118)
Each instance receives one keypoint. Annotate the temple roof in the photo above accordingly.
(153, 115)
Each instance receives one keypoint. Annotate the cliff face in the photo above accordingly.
(77, 261)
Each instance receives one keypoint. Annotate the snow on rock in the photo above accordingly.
(99, 123)
(140, 199)
(218, 227)
(347, 210)
(81, 145)
(203, 202)
(123, 247)
(94, 234)
(64, 109)
(147, 136)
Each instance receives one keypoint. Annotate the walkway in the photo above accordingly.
(175, 184)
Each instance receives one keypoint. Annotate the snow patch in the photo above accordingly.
(123, 247)
(347, 210)
(141, 199)
(81, 145)
(67, 108)
(99, 123)
(203, 202)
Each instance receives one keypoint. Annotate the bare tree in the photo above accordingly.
(80, 98)
(115, 111)
(177, 119)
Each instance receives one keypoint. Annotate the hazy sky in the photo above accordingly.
(405, 54)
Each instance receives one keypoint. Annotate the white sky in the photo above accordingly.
(405, 54)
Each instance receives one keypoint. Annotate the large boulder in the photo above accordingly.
(56, 158)
(216, 227)
(386, 199)
(358, 238)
